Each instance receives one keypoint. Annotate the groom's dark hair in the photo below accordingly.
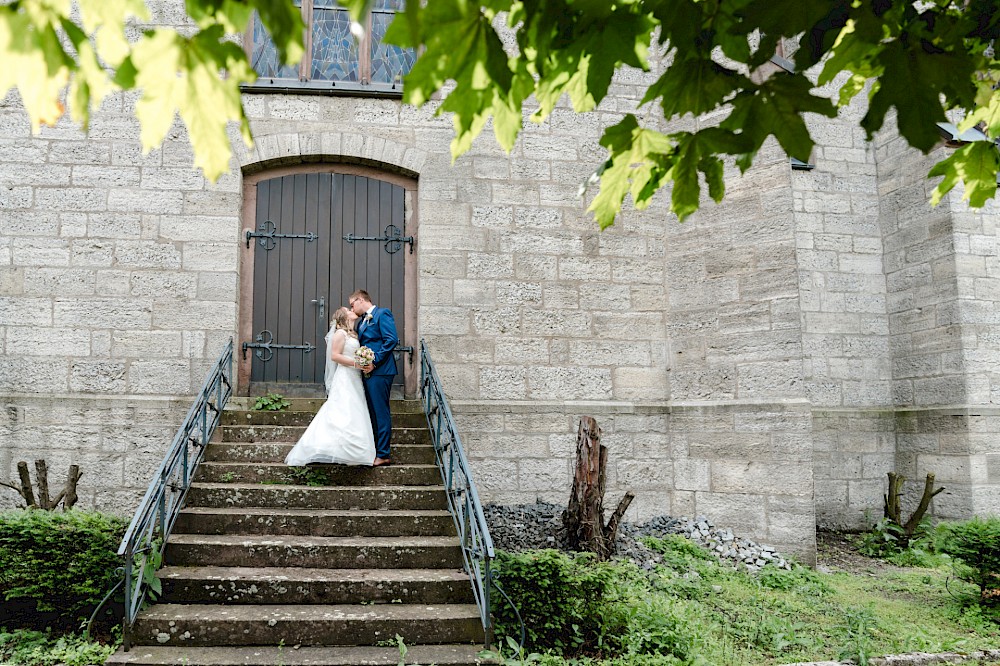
(360, 293)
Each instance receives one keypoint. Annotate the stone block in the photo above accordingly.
(194, 315)
(502, 383)
(146, 254)
(39, 341)
(32, 251)
(163, 377)
(563, 244)
(641, 474)
(538, 218)
(146, 344)
(102, 313)
(493, 217)
(490, 266)
(217, 286)
(760, 477)
(473, 292)
(569, 383)
(443, 265)
(521, 352)
(865, 495)
(97, 376)
(640, 383)
(560, 297)
(132, 200)
(517, 293)
(33, 375)
(440, 320)
(692, 474)
(71, 199)
(558, 323)
(544, 475)
(21, 311)
(204, 228)
(98, 253)
(210, 257)
(745, 513)
(163, 285)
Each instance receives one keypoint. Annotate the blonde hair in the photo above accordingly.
(342, 320)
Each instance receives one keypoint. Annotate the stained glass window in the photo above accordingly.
(264, 55)
(336, 56)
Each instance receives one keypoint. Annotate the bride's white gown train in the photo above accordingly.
(341, 432)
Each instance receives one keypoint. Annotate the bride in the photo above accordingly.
(341, 432)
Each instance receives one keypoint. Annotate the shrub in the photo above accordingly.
(563, 600)
(272, 402)
(63, 562)
(34, 648)
(975, 545)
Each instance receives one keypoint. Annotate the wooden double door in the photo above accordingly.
(317, 237)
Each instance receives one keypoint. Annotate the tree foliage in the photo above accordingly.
(63, 53)
(922, 59)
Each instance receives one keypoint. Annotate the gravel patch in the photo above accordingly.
(521, 527)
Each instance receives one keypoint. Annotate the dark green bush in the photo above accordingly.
(975, 545)
(563, 600)
(61, 562)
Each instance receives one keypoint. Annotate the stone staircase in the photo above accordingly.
(266, 566)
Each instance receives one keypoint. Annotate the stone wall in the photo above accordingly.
(741, 364)
(941, 271)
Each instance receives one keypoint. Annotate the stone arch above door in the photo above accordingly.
(343, 167)
(290, 148)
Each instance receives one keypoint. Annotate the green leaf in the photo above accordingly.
(776, 108)
(975, 165)
(913, 80)
(105, 19)
(694, 85)
(182, 75)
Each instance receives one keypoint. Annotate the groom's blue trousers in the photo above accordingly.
(377, 395)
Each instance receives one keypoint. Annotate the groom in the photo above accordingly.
(377, 331)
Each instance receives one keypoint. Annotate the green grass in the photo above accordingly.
(801, 615)
(779, 617)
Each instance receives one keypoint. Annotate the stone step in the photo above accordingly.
(213, 625)
(318, 475)
(420, 498)
(290, 655)
(285, 585)
(313, 522)
(406, 454)
(304, 418)
(238, 550)
(282, 433)
(244, 403)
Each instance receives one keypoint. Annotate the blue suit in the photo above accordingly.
(379, 335)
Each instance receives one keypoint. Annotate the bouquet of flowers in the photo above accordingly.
(364, 356)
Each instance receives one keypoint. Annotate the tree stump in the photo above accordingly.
(584, 516)
(67, 495)
(893, 506)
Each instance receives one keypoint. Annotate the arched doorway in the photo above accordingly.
(311, 236)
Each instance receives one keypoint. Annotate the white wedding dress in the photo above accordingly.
(341, 432)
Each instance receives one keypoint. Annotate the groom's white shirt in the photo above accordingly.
(370, 312)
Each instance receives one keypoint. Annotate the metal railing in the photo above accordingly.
(144, 541)
(463, 500)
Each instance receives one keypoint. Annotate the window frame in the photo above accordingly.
(305, 85)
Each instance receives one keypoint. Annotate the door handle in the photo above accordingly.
(321, 301)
